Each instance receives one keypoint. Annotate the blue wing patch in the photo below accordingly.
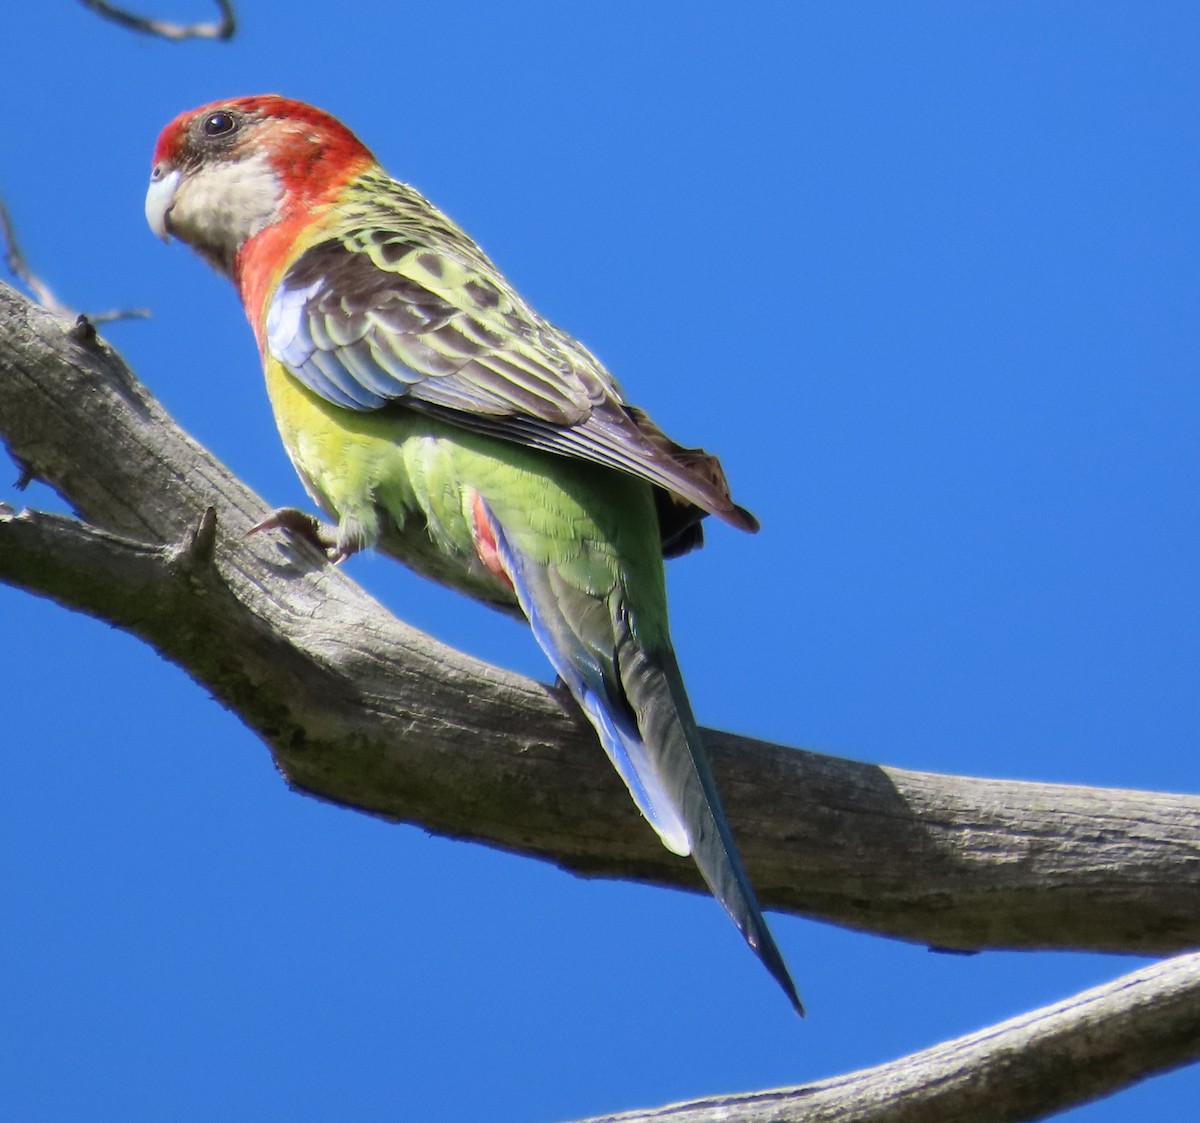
(354, 373)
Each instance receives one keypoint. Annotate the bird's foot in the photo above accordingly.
(322, 538)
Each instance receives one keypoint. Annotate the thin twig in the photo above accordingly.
(19, 267)
(41, 292)
(223, 28)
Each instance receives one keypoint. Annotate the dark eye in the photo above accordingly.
(218, 124)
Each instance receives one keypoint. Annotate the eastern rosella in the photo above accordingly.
(434, 414)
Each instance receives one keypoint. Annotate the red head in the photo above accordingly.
(225, 172)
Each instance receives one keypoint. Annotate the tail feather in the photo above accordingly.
(566, 623)
(654, 686)
(635, 698)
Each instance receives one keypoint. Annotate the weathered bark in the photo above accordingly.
(362, 710)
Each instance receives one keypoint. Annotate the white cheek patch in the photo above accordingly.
(223, 204)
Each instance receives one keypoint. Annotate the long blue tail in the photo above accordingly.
(635, 698)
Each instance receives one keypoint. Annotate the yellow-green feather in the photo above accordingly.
(405, 482)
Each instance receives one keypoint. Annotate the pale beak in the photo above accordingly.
(159, 200)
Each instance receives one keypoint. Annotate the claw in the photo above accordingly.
(305, 527)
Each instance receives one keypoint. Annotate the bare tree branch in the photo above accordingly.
(223, 28)
(1057, 1057)
(364, 711)
(19, 267)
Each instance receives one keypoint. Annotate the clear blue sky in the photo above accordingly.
(924, 274)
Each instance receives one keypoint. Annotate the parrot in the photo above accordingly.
(433, 414)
